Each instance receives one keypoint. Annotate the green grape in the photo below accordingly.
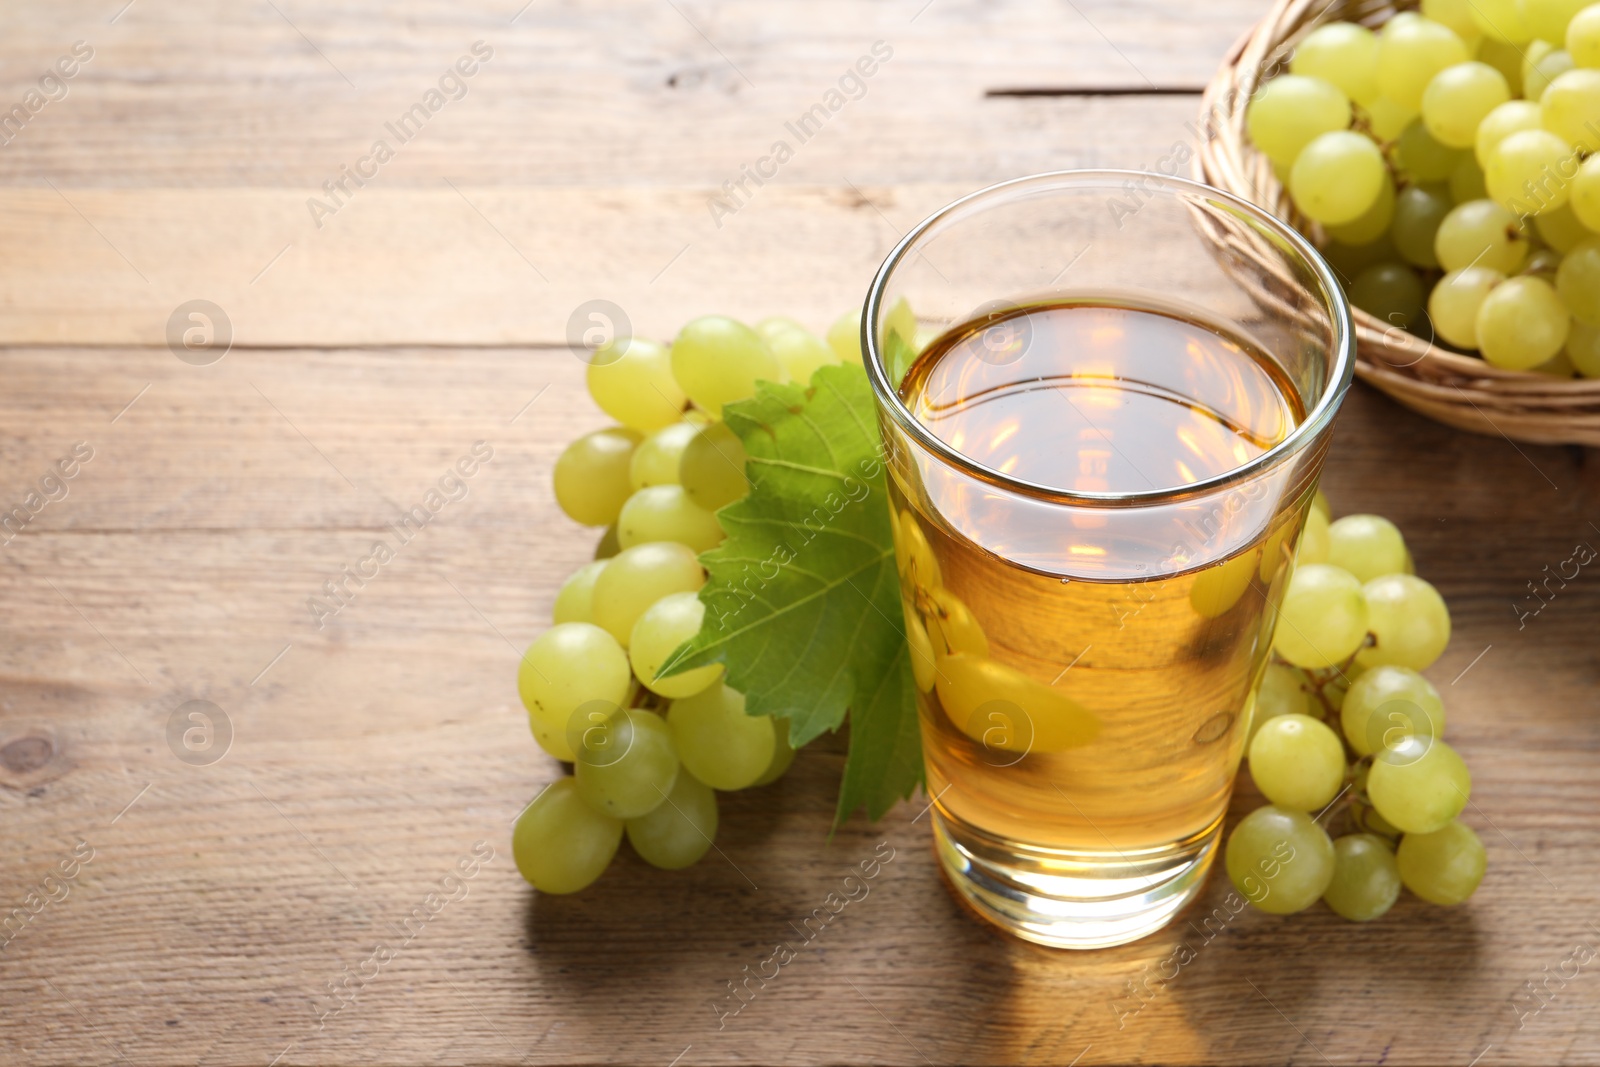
(1386, 704)
(1279, 860)
(664, 626)
(1538, 73)
(666, 513)
(608, 545)
(1366, 878)
(1313, 546)
(677, 833)
(1422, 157)
(575, 601)
(1368, 546)
(1502, 20)
(1583, 38)
(1480, 233)
(1373, 223)
(1409, 622)
(559, 843)
(1570, 109)
(1417, 214)
(712, 467)
(1219, 586)
(1454, 303)
(1578, 281)
(921, 648)
(1319, 502)
(1466, 181)
(1558, 366)
(1522, 322)
(900, 319)
(718, 361)
(1585, 193)
(1387, 119)
(844, 337)
(782, 754)
(1456, 14)
(1562, 230)
(1350, 260)
(1442, 867)
(776, 325)
(636, 387)
(1418, 784)
(1280, 693)
(1583, 348)
(569, 665)
(1337, 177)
(1391, 292)
(1410, 52)
(719, 743)
(639, 576)
(1297, 762)
(1548, 19)
(655, 461)
(626, 765)
(1511, 117)
(1343, 54)
(801, 352)
(591, 475)
(1528, 172)
(1458, 98)
(1506, 58)
(1323, 618)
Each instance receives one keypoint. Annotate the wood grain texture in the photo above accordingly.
(369, 755)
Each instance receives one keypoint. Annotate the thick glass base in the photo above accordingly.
(1067, 898)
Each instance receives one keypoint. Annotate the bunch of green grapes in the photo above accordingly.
(1450, 160)
(649, 754)
(1342, 713)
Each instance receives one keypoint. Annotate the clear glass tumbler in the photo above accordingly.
(1105, 398)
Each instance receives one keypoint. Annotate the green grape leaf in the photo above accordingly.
(803, 602)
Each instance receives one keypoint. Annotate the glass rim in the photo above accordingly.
(1341, 370)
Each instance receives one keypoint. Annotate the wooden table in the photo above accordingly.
(219, 902)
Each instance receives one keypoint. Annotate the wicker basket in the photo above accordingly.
(1461, 391)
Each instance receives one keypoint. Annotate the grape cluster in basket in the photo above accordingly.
(1449, 158)
(650, 753)
(1346, 729)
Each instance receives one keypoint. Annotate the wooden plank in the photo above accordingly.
(369, 757)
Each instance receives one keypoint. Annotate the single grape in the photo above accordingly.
(921, 649)
(1410, 52)
(1281, 692)
(666, 513)
(655, 461)
(1373, 223)
(575, 601)
(1279, 860)
(570, 665)
(1391, 292)
(1409, 622)
(1578, 281)
(1297, 762)
(844, 337)
(712, 469)
(1530, 171)
(1511, 117)
(718, 742)
(639, 576)
(1343, 54)
(1456, 14)
(782, 755)
(1583, 348)
(1337, 177)
(1454, 303)
(1387, 704)
(1458, 98)
(626, 764)
(1418, 784)
(1558, 366)
(1417, 214)
(901, 320)
(801, 352)
(664, 626)
(1313, 547)
(775, 325)
(1367, 546)
(1583, 38)
(1466, 181)
(719, 360)
(1543, 66)
(1323, 618)
(1350, 260)
(1422, 157)
(677, 833)
(1585, 193)
(591, 475)
(559, 843)
(1523, 322)
(1442, 867)
(1570, 109)
(1387, 119)
(1480, 233)
(1319, 501)
(952, 626)
(632, 382)
(1562, 230)
(1007, 711)
(1219, 587)
(1502, 20)
(1366, 878)
(1506, 58)
(1548, 19)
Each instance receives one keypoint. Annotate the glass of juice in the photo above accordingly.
(1105, 398)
